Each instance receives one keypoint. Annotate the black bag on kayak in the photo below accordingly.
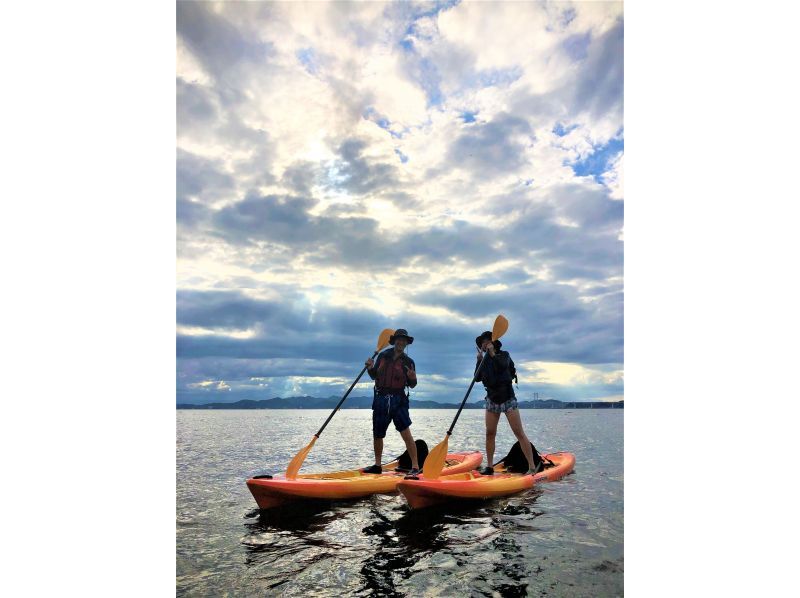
(404, 460)
(515, 461)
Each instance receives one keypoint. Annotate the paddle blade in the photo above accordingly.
(435, 461)
(296, 463)
(500, 327)
(383, 339)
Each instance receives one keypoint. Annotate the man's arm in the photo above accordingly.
(411, 373)
(373, 371)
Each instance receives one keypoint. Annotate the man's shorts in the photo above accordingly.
(509, 405)
(387, 408)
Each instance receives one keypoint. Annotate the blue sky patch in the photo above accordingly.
(561, 130)
(308, 59)
(468, 117)
(401, 155)
(384, 123)
(596, 163)
(438, 7)
(499, 77)
(429, 81)
(567, 17)
(407, 43)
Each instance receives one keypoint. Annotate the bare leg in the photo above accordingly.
(491, 432)
(515, 422)
(410, 446)
(377, 444)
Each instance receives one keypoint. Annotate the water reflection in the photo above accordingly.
(380, 547)
(397, 546)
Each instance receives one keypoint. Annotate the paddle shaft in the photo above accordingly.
(364, 369)
(469, 390)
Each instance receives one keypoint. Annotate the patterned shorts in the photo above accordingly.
(509, 405)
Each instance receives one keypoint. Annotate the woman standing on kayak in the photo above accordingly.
(496, 375)
(392, 372)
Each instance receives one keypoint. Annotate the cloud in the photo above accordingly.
(494, 147)
(598, 88)
(224, 50)
(203, 178)
(211, 385)
(344, 167)
(355, 174)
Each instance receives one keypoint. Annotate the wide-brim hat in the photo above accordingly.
(487, 335)
(401, 333)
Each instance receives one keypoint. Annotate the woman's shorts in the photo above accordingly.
(386, 409)
(509, 405)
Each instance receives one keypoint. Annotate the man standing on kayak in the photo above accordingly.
(496, 375)
(392, 372)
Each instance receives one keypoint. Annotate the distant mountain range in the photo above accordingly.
(366, 403)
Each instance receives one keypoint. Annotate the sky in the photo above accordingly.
(348, 167)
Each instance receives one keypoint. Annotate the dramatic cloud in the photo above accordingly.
(344, 167)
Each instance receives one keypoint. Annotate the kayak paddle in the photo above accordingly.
(436, 458)
(297, 461)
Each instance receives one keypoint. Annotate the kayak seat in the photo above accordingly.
(515, 461)
(404, 460)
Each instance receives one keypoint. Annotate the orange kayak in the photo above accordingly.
(339, 485)
(474, 486)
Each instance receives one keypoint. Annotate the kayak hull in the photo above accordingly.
(344, 485)
(474, 486)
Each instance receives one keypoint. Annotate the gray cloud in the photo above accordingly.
(548, 323)
(356, 242)
(189, 214)
(492, 147)
(594, 91)
(300, 176)
(599, 85)
(558, 326)
(202, 178)
(203, 114)
(196, 106)
(533, 233)
(358, 175)
(224, 51)
(281, 219)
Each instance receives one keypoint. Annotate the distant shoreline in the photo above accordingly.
(366, 403)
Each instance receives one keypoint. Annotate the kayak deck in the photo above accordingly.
(474, 486)
(341, 485)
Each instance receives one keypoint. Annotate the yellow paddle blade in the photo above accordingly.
(434, 462)
(383, 339)
(296, 463)
(500, 327)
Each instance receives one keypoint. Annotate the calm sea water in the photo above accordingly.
(560, 539)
